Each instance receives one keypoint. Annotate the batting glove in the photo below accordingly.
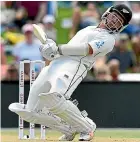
(49, 50)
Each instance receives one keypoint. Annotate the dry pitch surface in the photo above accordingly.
(101, 135)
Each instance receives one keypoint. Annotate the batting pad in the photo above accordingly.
(65, 109)
(46, 119)
(21, 111)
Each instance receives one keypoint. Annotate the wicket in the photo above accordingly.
(21, 96)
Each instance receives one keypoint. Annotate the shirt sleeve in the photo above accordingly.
(102, 44)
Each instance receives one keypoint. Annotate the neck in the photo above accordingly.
(29, 41)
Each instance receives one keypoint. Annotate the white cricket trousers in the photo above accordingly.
(63, 75)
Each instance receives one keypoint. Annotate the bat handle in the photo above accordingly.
(45, 42)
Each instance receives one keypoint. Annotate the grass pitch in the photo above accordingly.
(101, 135)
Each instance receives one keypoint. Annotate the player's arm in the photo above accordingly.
(82, 49)
(100, 44)
(90, 50)
(50, 50)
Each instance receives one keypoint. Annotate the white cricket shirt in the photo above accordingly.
(101, 41)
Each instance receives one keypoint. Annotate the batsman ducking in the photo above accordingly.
(49, 101)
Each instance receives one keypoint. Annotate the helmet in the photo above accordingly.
(122, 11)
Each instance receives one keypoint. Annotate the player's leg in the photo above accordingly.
(85, 135)
(65, 82)
(65, 109)
(41, 84)
(43, 117)
(32, 111)
(56, 103)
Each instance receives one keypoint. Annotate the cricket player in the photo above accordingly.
(49, 98)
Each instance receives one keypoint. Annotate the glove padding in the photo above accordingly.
(49, 50)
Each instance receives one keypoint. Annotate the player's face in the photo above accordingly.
(114, 22)
(28, 34)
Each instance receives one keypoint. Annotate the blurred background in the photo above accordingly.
(61, 20)
(110, 93)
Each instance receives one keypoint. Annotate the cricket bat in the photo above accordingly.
(39, 33)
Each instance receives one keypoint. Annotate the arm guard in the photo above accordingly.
(77, 50)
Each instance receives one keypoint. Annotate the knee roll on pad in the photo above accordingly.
(24, 113)
(52, 101)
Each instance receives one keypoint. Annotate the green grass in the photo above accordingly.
(108, 133)
(101, 135)
(118, 133)
(62, 34)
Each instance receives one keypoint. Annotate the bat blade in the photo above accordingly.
(39, 33)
